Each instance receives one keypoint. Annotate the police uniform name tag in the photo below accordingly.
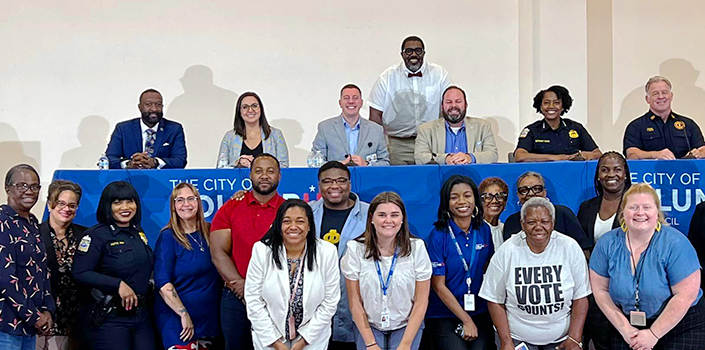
(85, 244)
(637, 318)
(469, 302)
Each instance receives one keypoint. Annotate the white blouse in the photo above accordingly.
(497, 234)
(400, 294)
(602, 227)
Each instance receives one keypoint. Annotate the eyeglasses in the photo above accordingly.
(254, 106)
(153, 104)
(23, 187)
(182, 200)
(341, 181)
(499, 197)
(409, 51)
(534, 189)
(61, 205)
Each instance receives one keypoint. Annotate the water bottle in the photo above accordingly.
(223, 163)
(103, 162)
(315, 159)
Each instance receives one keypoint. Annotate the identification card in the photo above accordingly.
(385, 318)
(637, 318)
(521, 346)
(469, 302)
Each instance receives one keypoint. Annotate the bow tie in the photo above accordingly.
(417, 74)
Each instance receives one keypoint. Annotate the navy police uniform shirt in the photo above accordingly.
(569, 138)
(108, 254)
(649, 133)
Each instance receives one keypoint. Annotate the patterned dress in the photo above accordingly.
(298, 291)
(67, 303)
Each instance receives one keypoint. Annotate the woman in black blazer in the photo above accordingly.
(60, 237)
(597, 216)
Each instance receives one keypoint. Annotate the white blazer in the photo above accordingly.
(267, 296)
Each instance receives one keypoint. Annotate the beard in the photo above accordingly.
(152, 118)
(257, 188)
(456, 115)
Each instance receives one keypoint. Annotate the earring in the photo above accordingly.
(623, 224)
(475, 212)
(658, 226)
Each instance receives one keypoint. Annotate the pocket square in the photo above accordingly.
(165, 144)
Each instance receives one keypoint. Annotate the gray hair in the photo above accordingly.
(538, 202)
(656, 79)
(11, 173)
(530, 173)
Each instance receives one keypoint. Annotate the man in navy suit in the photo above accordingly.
(149, 142)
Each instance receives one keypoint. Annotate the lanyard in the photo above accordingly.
(296, 283)
(473, 250)
(389, 277)
(638, 268)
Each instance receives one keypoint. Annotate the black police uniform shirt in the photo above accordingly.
(332, 224)
(108, 254)
(569, 138)
(649, 133)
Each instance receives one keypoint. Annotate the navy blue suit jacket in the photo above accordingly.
(126, 140)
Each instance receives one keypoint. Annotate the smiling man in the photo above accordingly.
(406, 96)
(348, 138)
(457, 138)
(150, 141)
(661, 133)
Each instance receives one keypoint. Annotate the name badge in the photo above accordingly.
(385, 318)
(637, 318)
(371, 158)
(521, 346)
(469, 302)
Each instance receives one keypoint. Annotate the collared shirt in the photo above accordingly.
(456, 141)
(407, 102)
(352, 134)
(446, 262)
(569, 138)
(248, 221)
(145, 135)
(668, 260)
(650, 133)
(108, 254)
(24, 276)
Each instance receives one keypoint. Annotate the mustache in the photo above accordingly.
(148, 114)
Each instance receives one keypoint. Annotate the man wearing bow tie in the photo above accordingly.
(406, 96)
(149, 142)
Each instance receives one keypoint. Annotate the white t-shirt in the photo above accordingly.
(400, 294)
(497, 234)
(602, 227)
(537, 289)
(408, 102)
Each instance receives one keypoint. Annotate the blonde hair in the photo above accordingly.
(656, 79)
(175, 221)
(641, 188)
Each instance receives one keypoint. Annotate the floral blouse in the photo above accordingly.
(67, 303)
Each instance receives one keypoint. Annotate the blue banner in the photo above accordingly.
(569, 183)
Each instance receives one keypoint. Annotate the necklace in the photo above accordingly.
(200, 244)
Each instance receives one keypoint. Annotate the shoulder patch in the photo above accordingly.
(573, 134)
(144, 238)
(524, 133)
(679, 124)
(85, 244)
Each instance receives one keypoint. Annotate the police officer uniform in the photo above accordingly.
(569, 138)
(106, 256)
(649, 133)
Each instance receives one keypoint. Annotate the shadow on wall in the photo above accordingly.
(293, 134)
(206, 111)
(688, 99)
(15, 152)
(93, 139)
(506, 139)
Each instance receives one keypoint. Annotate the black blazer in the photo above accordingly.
(587, 214)
(53, 264)
(696, 235)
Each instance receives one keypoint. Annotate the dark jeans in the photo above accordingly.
(123, 333)
(441, 333)
(237, 329)
(597, 327)
(336, 345)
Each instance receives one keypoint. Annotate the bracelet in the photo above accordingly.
(580, 344)
(371, 344)
(654, 334)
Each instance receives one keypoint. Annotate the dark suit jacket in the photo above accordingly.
(696, 235)
(566, 223)
(45, 230)
(126, 140)
(587, 214)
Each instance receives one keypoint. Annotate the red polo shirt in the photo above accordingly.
(248, 221)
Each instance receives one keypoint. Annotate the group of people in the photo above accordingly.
(416, 116)
(339, 273)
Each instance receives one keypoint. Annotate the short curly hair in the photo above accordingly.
(58, 186)
(562, 94)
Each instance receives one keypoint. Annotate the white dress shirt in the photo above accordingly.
(408, 102)
(145, 135)
(400, 294)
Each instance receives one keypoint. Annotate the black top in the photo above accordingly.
(569, 138)
(251, 152)
(566, 223)
(46, 231)
(107, 255)
(333, 220)
(696, 235)
(587, 214)
(649, 133)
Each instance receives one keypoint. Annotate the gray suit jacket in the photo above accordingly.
(430, 144)
(332, 142)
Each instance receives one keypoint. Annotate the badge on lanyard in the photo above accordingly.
(385, 317)
(468, 298)
(637, 318)
(469, 302)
